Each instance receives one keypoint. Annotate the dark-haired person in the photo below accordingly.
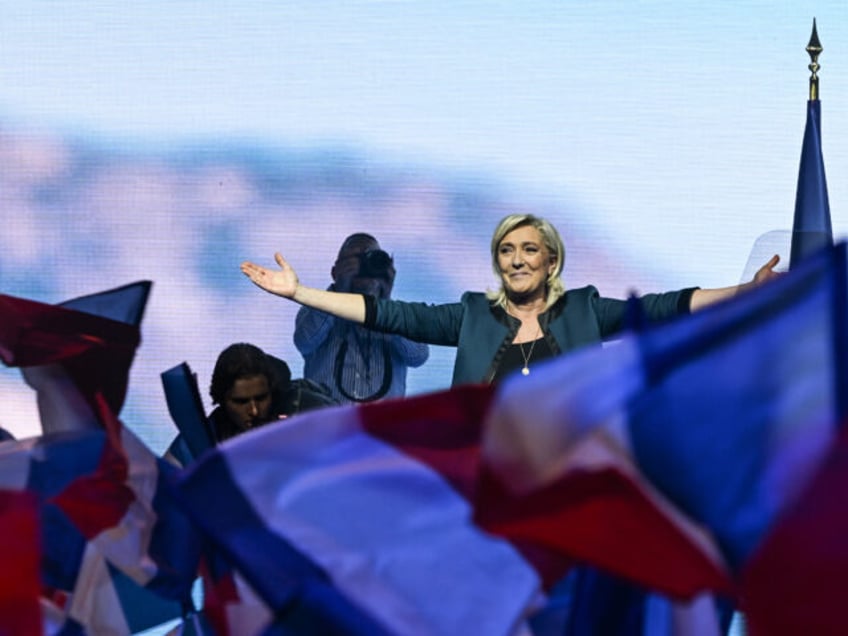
(530, 317)
(356, 364)
(249, 389)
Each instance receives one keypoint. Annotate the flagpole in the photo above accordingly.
(812, 229)
(814, 49)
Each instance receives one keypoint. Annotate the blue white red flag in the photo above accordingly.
(327, 522)
(73, 352)
(731, 414)
(117, 553)
(104, 513)
(363, 516)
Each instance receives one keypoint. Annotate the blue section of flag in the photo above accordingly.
(174, 543)
(811, 229)
(142, 607)
(186, 409)
(63, 548)
(744, 400)
(62, 458)
(125, 304)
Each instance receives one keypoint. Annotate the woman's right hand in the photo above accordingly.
(282, 283)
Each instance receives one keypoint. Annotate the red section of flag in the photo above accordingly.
(98, 501)
(20, 612)
(219, 591)
(795, 583)
(600, 517)
(442, 430)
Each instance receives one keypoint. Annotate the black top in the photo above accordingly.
(514, 357)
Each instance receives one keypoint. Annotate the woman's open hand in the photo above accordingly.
(282, 282)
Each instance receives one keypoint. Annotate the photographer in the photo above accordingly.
(355, 363)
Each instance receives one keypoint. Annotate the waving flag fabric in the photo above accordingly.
(794, 582)
(72, 352)
(123, 304)
(729, 412)
(104, 513)
(743, 401)
(118, 553)
(323, 518)
(371, 509)
(186, 408)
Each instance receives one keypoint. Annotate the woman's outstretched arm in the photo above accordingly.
(703, 297)
(284, 282)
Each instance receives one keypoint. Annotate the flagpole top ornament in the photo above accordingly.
(814, 49)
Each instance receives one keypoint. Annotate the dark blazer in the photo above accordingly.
(481, 333)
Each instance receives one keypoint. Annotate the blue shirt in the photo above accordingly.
(356, 364)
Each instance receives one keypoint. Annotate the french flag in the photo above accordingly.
(116, 553)
(340, 531)
(387, 518)
(72, 352)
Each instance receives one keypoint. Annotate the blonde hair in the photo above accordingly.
(554, 287)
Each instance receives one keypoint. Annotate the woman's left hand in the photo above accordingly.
(766, 272)
(703, 297)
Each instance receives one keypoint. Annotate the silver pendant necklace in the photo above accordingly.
(526, 369)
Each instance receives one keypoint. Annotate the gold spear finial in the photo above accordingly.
(814, 48)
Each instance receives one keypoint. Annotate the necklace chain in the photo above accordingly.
(525, 370)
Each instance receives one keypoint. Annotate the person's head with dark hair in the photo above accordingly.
(248, 385)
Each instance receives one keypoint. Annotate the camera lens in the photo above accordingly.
(375, 264)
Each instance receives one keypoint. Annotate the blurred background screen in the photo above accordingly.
(169, 141)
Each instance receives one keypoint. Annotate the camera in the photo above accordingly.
(375, 264)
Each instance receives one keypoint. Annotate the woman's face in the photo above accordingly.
(524, 263)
